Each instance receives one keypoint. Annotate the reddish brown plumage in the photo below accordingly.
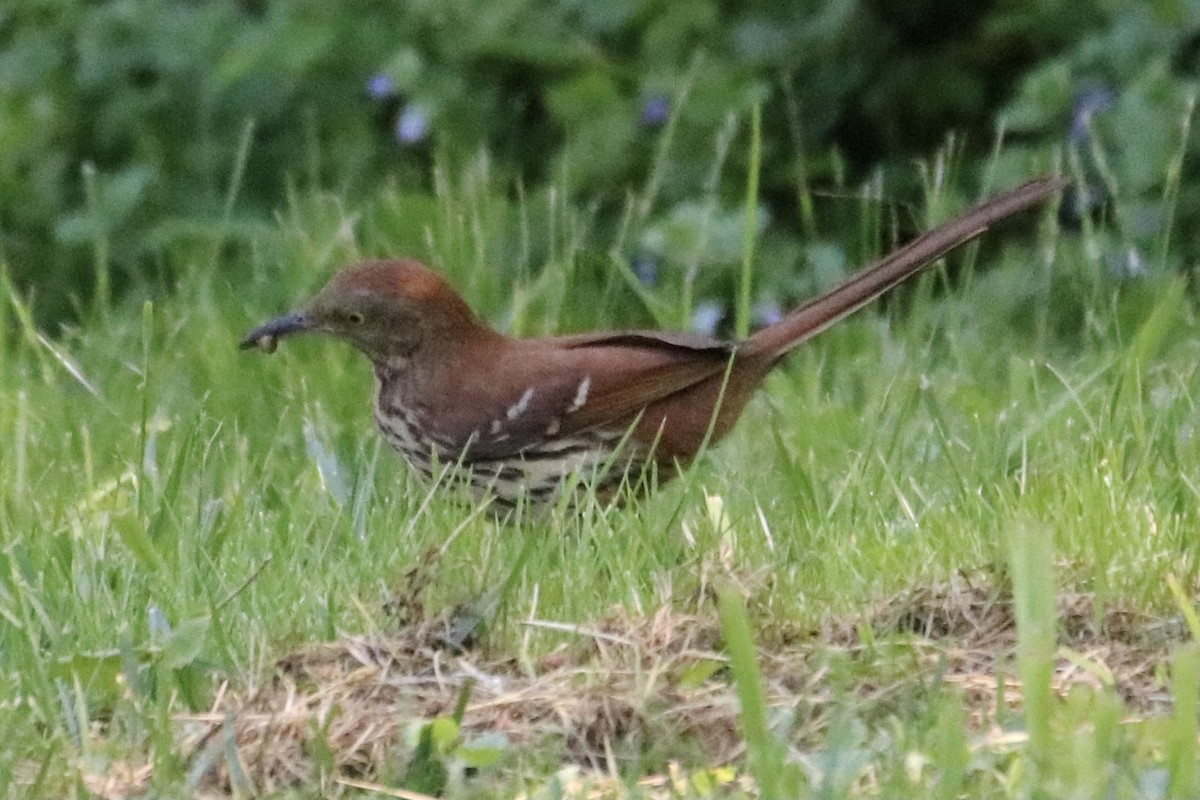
(516, 418)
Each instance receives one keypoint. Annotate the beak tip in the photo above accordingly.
(251, 342)
(266, 338)
(265, 343)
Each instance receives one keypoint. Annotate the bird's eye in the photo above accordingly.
(355, 318)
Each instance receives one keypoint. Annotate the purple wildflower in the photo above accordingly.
(412, 125)
(380, 86)
(646, 269)
(655, 109)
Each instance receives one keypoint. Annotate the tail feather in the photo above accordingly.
(819, 313)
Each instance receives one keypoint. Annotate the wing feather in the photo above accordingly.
(570, 385)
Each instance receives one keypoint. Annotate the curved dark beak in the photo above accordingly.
(266, 336)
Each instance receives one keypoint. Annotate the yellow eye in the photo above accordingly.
(355, 318)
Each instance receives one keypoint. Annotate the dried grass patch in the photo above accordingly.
(628, 684)
(968, 624)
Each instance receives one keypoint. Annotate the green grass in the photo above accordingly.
(176, 514)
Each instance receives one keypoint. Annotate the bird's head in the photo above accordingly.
(384, 308)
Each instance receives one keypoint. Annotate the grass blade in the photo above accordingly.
(765, 758)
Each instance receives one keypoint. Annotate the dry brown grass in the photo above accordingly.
(969, 625)
(622, 687)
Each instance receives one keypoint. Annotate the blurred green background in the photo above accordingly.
(176, 514)
(138, 136)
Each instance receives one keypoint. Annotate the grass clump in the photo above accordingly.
(951, 581)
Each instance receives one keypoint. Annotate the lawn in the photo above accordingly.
(949, 552)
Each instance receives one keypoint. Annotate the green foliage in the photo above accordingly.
(765, 755)
(124, 121)
(175, 514)
(441, 758)
(1126, 97)
(144, 135)
(1031, 558)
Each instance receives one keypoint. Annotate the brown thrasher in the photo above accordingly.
(516, 419)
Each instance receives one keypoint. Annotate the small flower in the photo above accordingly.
(412, 125)
(380, 86)
(646, 269)
(655, 110)
(766, 312)
(706, 317)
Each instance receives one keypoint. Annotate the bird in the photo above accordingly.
(531, 422)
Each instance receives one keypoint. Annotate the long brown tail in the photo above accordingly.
(819, 313)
